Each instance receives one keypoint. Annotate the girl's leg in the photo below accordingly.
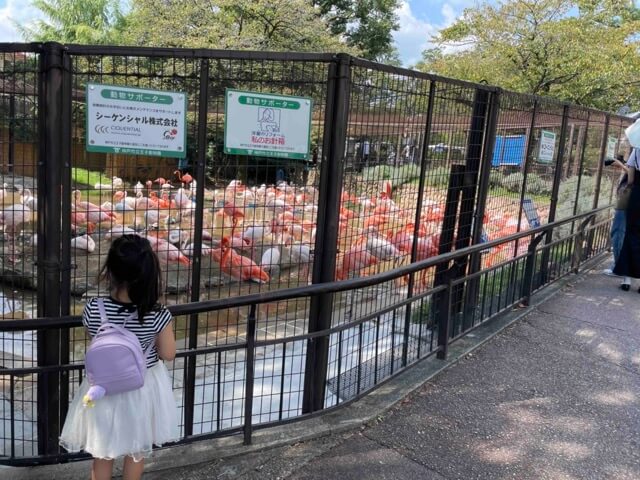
(132, 470)
(101, 469)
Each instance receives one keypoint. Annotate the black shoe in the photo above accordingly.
(626, 287)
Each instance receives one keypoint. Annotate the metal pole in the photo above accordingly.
(12, 135)
(491, 127)
(444, 316)
(66, 267)
(596, 195)
(421, 183)
(51, 151)
(249, 374)
(603, 152)
(529, 152)
(326, 247)
(557, 178)
(475, 144)
(583, 148)
(190, 368)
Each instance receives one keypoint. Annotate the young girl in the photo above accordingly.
(128, 424)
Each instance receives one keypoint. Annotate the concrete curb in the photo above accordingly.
(350, 417)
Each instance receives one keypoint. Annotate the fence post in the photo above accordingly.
(54, 144)
(527, 157)
(190, 367)
(414, 246)
(557, 178)
(529, 269)
(581, 167)
(475, 263)
(249, 375)
(596, 194)
(326, 247)
(444, 314)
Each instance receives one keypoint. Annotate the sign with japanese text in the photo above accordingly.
(547, 146)
(267, 125)
(136, 121)
(612, 143)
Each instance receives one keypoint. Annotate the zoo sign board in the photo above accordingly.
(547, 146)
(267, 125)
(136, 121)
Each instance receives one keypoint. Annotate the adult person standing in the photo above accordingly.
(628, 263)
(618, 226)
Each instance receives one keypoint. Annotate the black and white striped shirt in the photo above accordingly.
(118, 312)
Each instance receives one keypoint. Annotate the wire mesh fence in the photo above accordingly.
(413, 167)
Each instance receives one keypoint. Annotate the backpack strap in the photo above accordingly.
(104, 320)
(103, 313)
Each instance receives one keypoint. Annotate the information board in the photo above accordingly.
(267, 125)
(547, 146)
(136, 121)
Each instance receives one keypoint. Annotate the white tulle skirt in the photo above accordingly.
(129, 423)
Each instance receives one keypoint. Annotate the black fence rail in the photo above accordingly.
(424, 207)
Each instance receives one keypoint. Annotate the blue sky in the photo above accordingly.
(419, 19)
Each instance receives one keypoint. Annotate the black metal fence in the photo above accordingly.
(422, 196)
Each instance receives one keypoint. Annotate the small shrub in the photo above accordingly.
(379, 172)
(513, 182)
(438, 177)
(536, 185)
(495, 178)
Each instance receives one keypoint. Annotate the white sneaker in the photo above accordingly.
(609, 272)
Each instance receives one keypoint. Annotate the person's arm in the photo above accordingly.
(166, 343)
(621, 165)
(631, 173)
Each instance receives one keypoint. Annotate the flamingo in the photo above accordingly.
(118, 231)
(167, 252)
(83, 242)
(137, 189)
(239, 267)
(27, 198)
(354, 260)
(13, 217)
(270, 259)
(185, 179)
(94, 213)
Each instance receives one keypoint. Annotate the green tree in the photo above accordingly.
(231, 24)
(367, 25)
(71, 21)
(583, 51)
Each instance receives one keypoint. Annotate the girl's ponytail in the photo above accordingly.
(132, 264)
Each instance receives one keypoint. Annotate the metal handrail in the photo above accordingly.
(44, 323)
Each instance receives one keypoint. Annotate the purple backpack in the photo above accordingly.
(115, 361)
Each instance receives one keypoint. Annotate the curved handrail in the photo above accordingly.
(190, 308)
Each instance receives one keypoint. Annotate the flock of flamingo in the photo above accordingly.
(254, 233)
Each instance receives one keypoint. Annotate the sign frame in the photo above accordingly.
(144, 151)
(259, 152)
(546, 159)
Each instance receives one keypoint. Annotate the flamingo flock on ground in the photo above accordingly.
(255, 233)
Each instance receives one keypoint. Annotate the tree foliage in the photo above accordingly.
(367, 25)
(584, 51)
(293, 25)
(71, 21)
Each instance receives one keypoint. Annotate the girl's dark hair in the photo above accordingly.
(132, 264)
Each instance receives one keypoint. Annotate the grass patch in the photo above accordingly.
(81, 176)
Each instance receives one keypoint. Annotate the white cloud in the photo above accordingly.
(19, 11)
(414, 34)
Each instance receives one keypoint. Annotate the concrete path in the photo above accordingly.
(554, 396)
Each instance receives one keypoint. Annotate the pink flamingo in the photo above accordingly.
(167, 252)
(93, 212)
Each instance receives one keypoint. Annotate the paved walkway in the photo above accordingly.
(554, 396)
